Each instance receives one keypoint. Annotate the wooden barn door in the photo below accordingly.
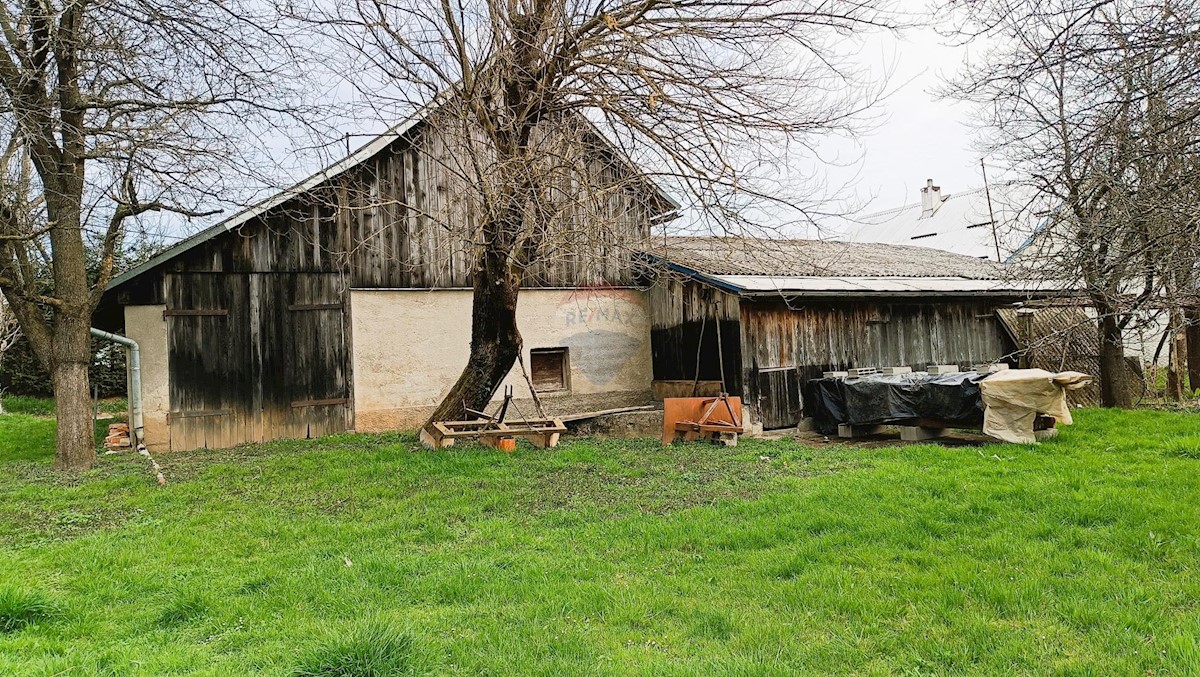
(211, 357)
(779, 397)
(254, 357)
(305, 355)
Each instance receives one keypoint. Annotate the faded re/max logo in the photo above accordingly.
(604, 329)
(605, 314)
(602, 308)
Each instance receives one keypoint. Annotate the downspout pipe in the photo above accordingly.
(135, 378)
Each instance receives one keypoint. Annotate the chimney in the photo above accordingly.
(931, 199)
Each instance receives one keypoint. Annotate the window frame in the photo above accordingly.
(564, 354)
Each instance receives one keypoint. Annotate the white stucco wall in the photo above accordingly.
(147, 326)
(409, 347)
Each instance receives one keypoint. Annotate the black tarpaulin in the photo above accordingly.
(870, 400)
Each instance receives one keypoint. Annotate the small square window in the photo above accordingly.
(548, 369)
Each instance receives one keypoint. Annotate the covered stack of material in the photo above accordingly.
(1013, 399)
(1004, 403)
(949, 398)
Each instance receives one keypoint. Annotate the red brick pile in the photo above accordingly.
(118, 437)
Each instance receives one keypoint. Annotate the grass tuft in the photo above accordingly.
(373, 651)
(186, 608)
(1183, 447)
(20, 607)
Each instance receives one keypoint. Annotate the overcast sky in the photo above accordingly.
(919, 137)
(916, 136)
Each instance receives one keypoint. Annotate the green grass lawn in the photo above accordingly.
(347, 554)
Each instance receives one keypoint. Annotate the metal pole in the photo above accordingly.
(991, 215)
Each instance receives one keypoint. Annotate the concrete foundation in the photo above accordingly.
(848, 431)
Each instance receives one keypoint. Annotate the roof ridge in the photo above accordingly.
(957, 194)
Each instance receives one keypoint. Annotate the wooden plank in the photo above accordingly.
(583, 416)
(314, 306)
(181, 312)
(320, 403)
(176, 415)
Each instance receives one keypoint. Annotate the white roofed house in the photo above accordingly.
(1008, 222)
(992, 222)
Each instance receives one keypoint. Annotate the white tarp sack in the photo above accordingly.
(1013, 398)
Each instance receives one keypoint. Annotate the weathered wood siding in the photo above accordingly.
(812, 337)
(694, 326)
(254, 357)
(407, 219)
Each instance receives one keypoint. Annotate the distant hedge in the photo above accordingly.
(22, 374)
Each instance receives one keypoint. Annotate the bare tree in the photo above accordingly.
(1097, 104)
(110, 110)
(714, 100)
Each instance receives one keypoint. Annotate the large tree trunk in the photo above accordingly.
(495, 339)
(1114, 391)
(75, 447)
(1193, 350)
(71, 341)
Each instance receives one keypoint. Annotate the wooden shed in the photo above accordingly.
(343, 303)
(759, 318)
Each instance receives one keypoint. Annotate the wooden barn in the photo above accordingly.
(343, 303)
(759, 318)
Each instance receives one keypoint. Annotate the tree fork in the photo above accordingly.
(495, 338)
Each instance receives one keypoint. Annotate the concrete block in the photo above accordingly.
(1048, 434)
(834, 374)
(863, 371)
(943, 369)
(896, 371)
(847, 431)
(915, 433)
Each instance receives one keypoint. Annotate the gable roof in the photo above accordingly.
(351, 161)
(966, 222)
(754, 266)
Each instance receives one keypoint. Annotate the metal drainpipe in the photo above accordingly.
(135, 379)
